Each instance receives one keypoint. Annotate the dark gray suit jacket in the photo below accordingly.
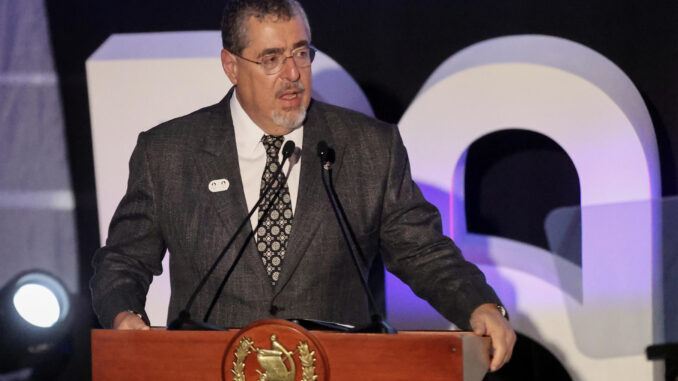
(168, 205)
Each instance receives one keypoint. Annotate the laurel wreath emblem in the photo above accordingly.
(307, 362)
(245, 347)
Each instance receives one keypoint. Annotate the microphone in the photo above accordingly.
(183, 321)
(288, 149)
(326, 156)
(323, 154)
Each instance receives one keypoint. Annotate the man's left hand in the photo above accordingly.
(486, 320)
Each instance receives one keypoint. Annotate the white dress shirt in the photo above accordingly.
(252, 157)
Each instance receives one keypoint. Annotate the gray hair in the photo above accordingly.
(237, 12)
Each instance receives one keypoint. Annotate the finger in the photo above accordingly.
(136, 323)
(479, 327)
(511, 344)
(499, 355)
(503, 342)
(132, 322)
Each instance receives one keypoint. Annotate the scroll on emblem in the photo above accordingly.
(277, 362)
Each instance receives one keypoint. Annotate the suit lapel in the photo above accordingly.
(312, 199)
(218, 159)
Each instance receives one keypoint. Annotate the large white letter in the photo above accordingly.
(588, 106)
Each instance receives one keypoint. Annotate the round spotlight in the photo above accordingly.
(40, 299)
(37, 305)
(35, 317)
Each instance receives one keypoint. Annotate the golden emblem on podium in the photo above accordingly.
(258, 353)
(277, 362)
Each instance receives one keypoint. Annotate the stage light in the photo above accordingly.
(35, 314)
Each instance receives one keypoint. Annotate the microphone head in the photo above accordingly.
(288, 149)
(323, 151)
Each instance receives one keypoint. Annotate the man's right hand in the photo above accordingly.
(129, 320)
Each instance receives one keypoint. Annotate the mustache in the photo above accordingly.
(289, 86)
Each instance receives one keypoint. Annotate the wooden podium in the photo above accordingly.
(276, 350)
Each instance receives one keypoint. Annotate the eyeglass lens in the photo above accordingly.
(302, 58)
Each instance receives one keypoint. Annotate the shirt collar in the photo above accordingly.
(247, 133)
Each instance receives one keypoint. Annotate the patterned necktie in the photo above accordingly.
(276, 227)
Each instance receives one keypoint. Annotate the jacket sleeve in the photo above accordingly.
(415, 250)
(124, 267)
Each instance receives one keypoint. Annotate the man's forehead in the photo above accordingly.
(274, 32)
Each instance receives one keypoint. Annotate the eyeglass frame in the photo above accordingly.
(311, 52)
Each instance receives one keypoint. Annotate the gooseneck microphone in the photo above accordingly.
(183, 321)
(326, 155)
(288, 149)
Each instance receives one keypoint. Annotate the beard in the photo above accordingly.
(291, 118)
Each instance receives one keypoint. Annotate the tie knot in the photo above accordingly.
(272, 145)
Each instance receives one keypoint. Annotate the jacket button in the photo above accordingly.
(274, 310)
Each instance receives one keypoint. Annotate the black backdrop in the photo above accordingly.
(390, 47)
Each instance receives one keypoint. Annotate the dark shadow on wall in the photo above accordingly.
(514, 178)
(667, 161)
(669, 218)
(530, 362)
(386, 105)
(71, 46)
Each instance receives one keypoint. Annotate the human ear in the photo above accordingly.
(230, 66)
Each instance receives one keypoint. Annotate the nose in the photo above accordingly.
(290, 71)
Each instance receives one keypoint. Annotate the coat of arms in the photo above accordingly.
(277, 363)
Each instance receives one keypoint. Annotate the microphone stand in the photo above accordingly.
(281, 185)
(378, 323)
(183, 321)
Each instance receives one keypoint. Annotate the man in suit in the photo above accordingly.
(193, 179)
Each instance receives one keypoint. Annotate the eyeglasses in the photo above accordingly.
(273, 63)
